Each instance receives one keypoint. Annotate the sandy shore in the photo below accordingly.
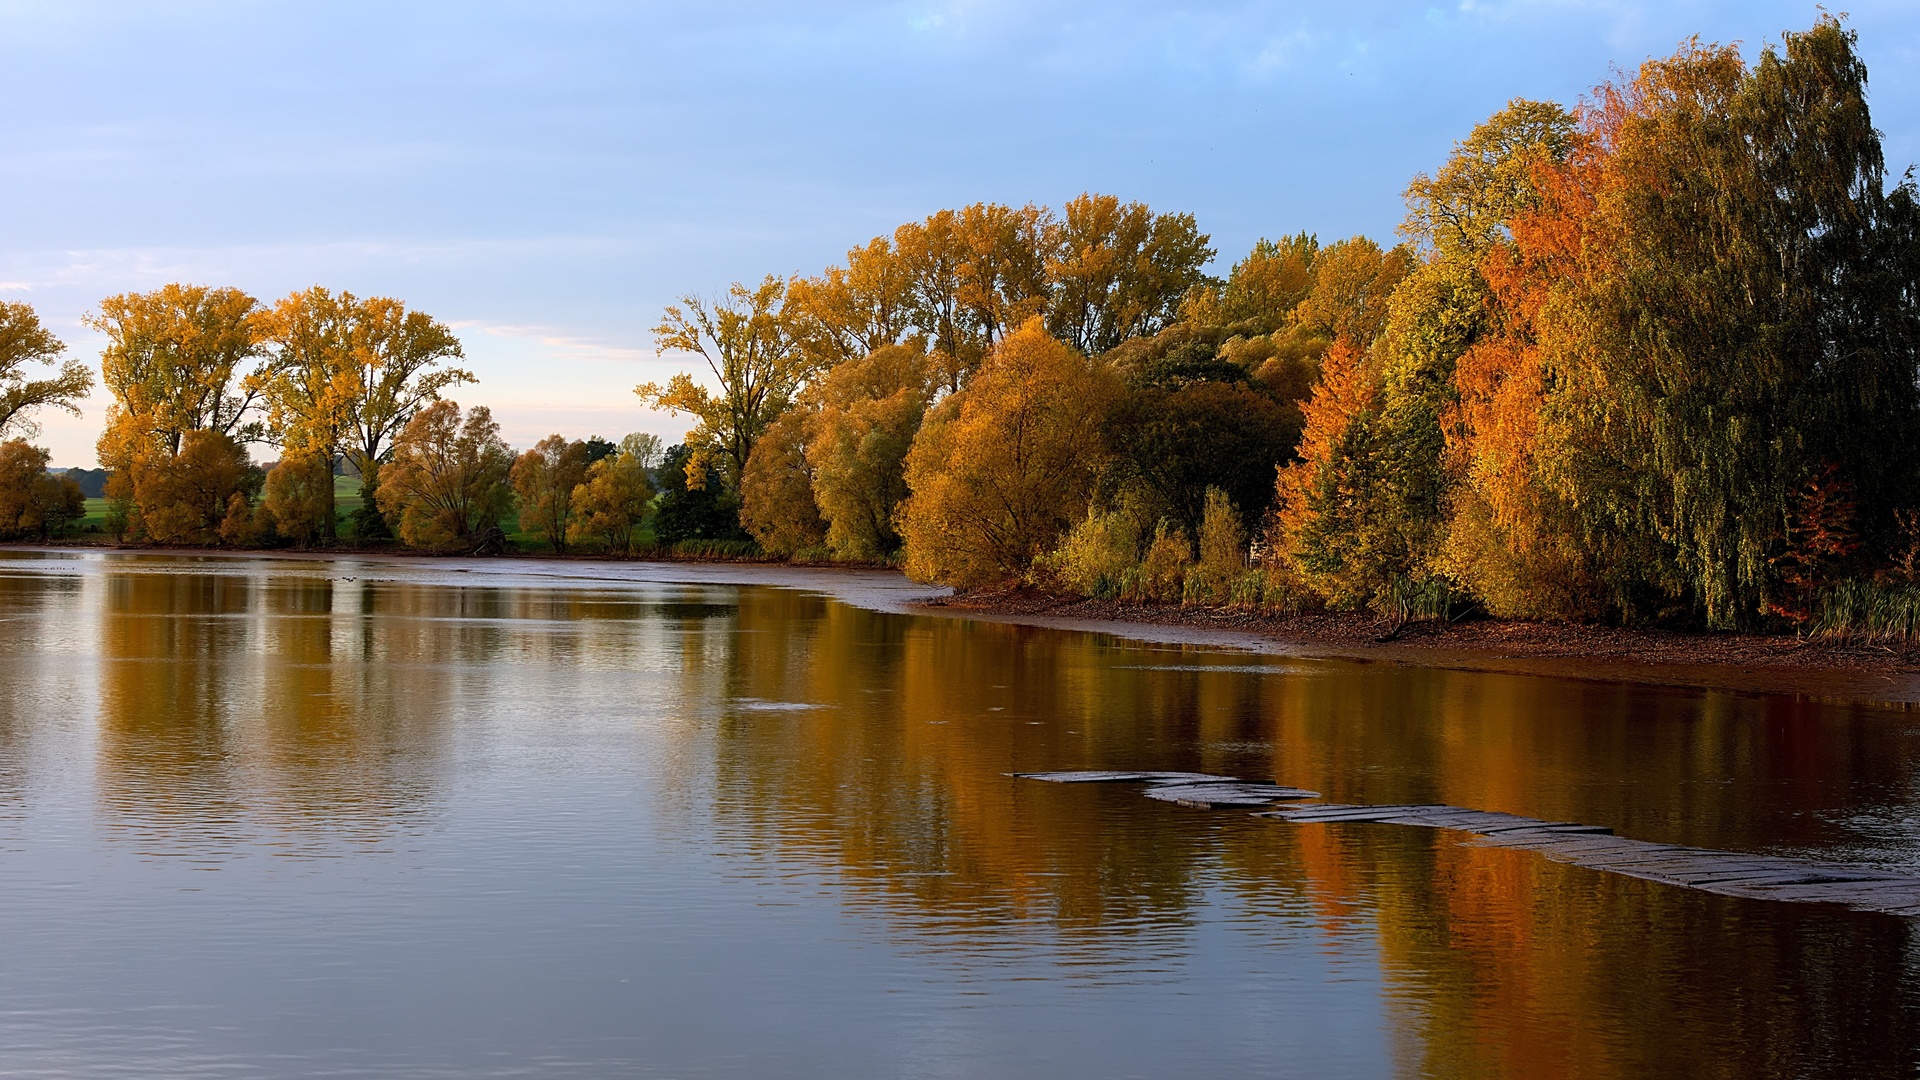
(1734, 662)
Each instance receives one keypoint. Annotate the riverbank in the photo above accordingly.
(1772, 663)
(1750, 663)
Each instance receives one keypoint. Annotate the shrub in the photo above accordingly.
(1163, 573)
(1223, 553)
(1093, 559)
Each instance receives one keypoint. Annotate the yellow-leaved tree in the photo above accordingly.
(610, 504)
(1118, 270)
(999, 471)
(847, 312)
(178, 359)
(870, 409)
(24, 341)
(346, 374)
(755, 365)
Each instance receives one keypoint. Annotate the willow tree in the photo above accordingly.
(756, 369)
(23, 342)
(869, 411)
(1736, 321)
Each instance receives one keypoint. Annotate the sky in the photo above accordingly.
(545, 177)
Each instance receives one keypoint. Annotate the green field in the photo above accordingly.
(96, 518)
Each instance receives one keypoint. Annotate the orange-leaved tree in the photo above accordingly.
(33, 502)
(545, 478)
(447, 482)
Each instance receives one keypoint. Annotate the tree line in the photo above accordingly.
(328, 379)
(1653, 358)
(1650, 359)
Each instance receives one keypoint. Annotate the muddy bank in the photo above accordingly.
(1736, 662)
(1740, 662)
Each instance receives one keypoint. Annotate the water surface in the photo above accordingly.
(281, 818)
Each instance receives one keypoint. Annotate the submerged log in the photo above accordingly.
(1725, 873)
(1218, 794)
(1115, 776)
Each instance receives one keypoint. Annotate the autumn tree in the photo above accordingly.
(1733, 317)
(1353, 283)
(1004, 277)
(183, 498)
(974, 275)
(755, 365)
(24, 342)
(298, 498)
(1325, 499)
(1263, 289)
(611, 502)
(345, 375)
(1119, 270)
(446, 485)
(1368, 505)
(545, 478)
(849, 311)
(401, 361)
(34, 504)
(777, 504)
(869, 411)
(999, 471)
(177, 360)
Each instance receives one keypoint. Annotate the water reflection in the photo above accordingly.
(749, 751)
(1500, 963)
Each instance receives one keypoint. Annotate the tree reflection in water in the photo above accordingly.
(837, 757)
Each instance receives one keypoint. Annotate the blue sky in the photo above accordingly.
(545, 176)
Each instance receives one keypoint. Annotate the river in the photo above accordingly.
(303, 818)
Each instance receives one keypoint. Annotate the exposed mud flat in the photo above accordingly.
(1756, 663)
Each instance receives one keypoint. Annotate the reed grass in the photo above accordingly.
(1869, 611)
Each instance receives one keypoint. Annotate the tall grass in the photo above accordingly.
(717, 549)
(1865, 611)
